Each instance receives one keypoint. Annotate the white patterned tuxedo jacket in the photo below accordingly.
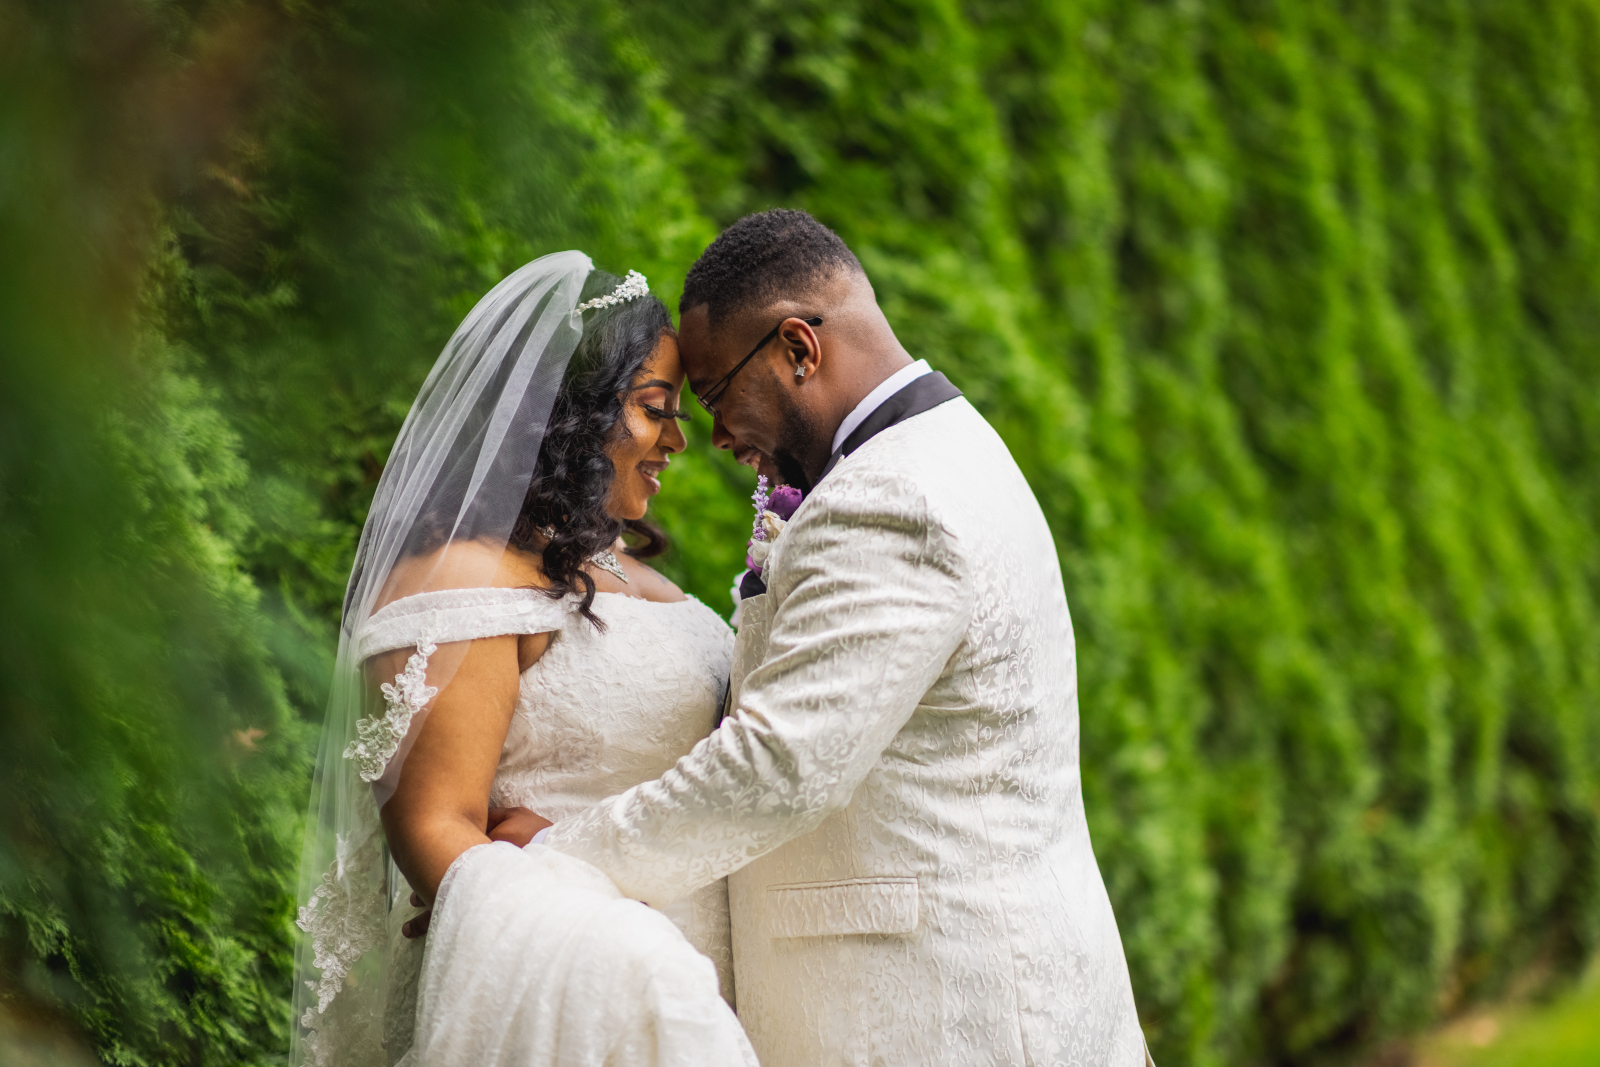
(895, 791)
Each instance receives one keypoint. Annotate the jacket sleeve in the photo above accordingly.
(871, 603)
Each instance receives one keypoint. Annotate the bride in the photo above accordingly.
(502, 645)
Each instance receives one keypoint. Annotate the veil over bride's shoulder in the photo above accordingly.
(434, 544)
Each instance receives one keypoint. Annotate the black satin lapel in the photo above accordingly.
(927, 392)
(751, 585)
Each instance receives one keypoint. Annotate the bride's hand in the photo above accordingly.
(417, 925)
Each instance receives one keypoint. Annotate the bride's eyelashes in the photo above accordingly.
(663, 413)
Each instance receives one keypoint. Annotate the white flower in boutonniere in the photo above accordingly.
(773, 511)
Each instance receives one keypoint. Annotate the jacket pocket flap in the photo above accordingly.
(852, 906)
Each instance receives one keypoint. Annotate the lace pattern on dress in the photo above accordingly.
(378, 737)
(599, 712)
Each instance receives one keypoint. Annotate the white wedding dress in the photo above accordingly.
(534, 958)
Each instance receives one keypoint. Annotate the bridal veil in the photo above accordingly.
(459, 470)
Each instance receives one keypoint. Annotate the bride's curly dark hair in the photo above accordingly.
(572, 481)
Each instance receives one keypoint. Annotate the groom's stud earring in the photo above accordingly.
(799, 372)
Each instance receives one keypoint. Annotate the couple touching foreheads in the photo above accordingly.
(858, 823)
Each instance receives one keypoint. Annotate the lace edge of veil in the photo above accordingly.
(378, 737)
(344, 923)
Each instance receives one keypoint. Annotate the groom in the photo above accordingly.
(895, 789)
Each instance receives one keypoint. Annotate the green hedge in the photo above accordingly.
(1290, 312)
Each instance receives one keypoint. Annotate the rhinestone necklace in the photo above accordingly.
(605, 559)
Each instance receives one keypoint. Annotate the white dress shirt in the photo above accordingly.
(874, 400)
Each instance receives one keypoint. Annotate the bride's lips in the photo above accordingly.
(651, 470)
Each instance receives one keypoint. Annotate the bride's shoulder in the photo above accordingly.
(463, 565)
(463, 592)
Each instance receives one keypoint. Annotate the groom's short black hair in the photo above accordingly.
(762, 258)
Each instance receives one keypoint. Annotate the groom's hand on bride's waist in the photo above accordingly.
(516, 825)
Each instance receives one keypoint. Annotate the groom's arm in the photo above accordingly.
(872, 602)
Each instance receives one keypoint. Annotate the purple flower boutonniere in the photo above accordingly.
(773, 511)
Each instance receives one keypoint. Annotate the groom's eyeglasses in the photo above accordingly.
(712, 396)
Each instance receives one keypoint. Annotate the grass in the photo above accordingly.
(1562, 1033)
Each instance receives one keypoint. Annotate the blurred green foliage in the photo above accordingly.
(1290, 312)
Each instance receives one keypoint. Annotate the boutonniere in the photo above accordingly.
(773, 511)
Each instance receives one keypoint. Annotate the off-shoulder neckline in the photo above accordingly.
(568, 602)
(688, 598)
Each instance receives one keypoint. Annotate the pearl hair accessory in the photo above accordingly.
(632, 287)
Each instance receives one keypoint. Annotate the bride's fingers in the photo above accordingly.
(416, 927)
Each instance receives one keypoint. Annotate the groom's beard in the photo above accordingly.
(791, 472)
(796, 454)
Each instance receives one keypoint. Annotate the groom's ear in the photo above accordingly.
(802, 347)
